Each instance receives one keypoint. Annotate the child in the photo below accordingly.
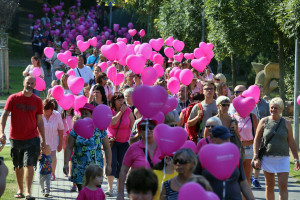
(93, 178)
(45, 170)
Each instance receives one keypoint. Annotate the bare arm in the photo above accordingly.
(116, 118)
(163, 193)
(131, 120)
(122, 178)
(292, 143)
(2, 126)
(68, 153)
(181, 119)
(41, 128)
(258, 136)
(108, 155)
(193, 122)
(60, 140)
(246, 190)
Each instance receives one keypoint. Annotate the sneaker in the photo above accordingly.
(73, 188)
(109, 193)
(46, 194)
(255, 184)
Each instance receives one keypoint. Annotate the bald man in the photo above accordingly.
(26, 133)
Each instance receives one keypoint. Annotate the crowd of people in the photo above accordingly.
(41, 128)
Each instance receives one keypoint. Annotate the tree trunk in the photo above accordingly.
(281, 65)
(233, 70)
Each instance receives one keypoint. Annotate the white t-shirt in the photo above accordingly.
(86, 73)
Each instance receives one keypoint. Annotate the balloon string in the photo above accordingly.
(224, 189)
(164, 171)
(146, 142)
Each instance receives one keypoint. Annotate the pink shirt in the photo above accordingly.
(68, 124)
(202, 142)
(245, 127)
(124, 129)
(135, 156)
(52, 126)
(87, 194)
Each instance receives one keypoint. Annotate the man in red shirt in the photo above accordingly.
(26, 126)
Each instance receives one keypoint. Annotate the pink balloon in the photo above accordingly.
(122, 61)
(110, 51)
(119, 79)
(206, 48)
(122, 50)
(173, 85)
(152, 56)
(84, 127)
(40, 84)
(103, 66)
(190, 145)
(156, 44)
(159, 118)
(58, 74)
(189, 56)
(169, 139)
(57, 92)
(122, 40)
(198, 53)
(149, 76)
(136, 42)
(79, 102)
(186, 77)
(178, 45)
(36, 71)
(177, 73)
(67, 101)
(136, 63)
(49, 52)
(130, 25)
(132, 32)
(73, 62)
(243, 105)
(170, 105)
(145, 49)
(64, 57)
(199, 64)
(298, 100)
(70, 72)
(169, 52)
(210, 55)
(112, 73)
(75, 84)
(212, 156)
(159, 69)
(142, 33)
(149, 99)
(64, 45)
(252, 91)
(178, 57)
(79, 37)
(83, 46)
(194, 191)
(158, 59)
(169, 41)
(93, 41)
(108, 42)
(172, 72)
(130, 50)
(104, 113)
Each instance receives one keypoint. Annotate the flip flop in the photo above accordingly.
(28, 197)
(19, 195)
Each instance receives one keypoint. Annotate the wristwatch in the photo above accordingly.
(296, 160)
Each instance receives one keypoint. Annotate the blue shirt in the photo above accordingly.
(45, 165)
(92, 59)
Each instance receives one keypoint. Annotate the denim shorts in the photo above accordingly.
(25, 152)
(248, 151)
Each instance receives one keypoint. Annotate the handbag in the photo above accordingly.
(263, 147)
(112, 140)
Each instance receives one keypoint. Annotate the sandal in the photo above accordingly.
(19, 195)
(28, 197)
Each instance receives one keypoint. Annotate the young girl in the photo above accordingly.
(93, 178)
(45, 170)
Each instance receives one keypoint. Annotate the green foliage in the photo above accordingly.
(182, 20)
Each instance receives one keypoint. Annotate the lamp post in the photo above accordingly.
(7, 9)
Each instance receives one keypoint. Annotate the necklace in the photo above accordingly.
(177, 181)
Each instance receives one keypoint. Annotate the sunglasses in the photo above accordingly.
(180, 161)
(137, 76)
(225, 105)
(206, 89)
(217, 79)
(209, 126)
(105, 78)
(150, 127)
(237, 92)
(201, 74)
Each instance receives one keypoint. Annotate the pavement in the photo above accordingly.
(60, 188)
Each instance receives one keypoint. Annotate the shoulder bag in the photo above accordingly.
(112, 140)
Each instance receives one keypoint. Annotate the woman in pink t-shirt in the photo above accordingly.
(135, 155)
(119, 130)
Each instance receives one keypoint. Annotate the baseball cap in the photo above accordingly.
(221, 132)
(87, 106)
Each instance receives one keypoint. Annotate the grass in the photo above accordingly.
(17, 49)
(11, 183)
(15, 82)
(293, 173)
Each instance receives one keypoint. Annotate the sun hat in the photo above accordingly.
(221, 132)
(88, 107)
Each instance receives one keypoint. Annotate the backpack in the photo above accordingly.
(193, 130)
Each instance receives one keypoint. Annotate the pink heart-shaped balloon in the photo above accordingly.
(40, 84)
(58, 74)
(104, 113)
(189, 56)
(172, 72)
(178, 57)
(212, 156)
(93, 41)
(136, 42)
(49, 52)
(84, 127)
(149, 76)
(83, 46)
(170, 105)
(64, 57)
(199, 64)
(159, 69)
(103, 66)
(73, 62)
(194, 191)
(119, 79)
(64, 45)
(136, 63)
(122, 61)
(173, 85)
(108, 42)
(186, 77)
(243, 105)
(57, 92)
(198, 53)
(159, 118)
(158, 59)
(130, 50)
(75, 84)
(110, 51)
(210, 55)
(190, 145)
(156, 44)
(206, 48)
(152, 56)
(132, 32)
(70, 72)
(252, 91)
(122, 40)
(142, 33)
(149, 99)
(79, 102)
(169, 41)
(178, 45)
(145, 49)
(67, 101)
(79, 37)
(169, 52)
(112, 73)
(36, 71)
(122, 50)
(169, 139)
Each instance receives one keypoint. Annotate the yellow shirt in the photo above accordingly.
(161, 179)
